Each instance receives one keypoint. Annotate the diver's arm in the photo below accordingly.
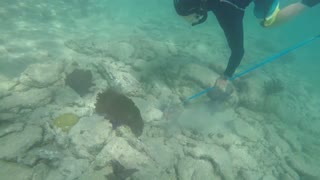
(233, 30)
(235, 42)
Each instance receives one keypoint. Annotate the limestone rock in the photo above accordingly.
(5, 85)
(154, 173)
(286, 106)
(246, 130)
(10, 128)
(248, 174)
(252, 96)
(292, 138)
(70, 169)
(217, 156)
(16, 144)
(9, 116)
(41, 75)
(304, 166)
(120, 150)
(122, 51)
(96, 174)
(280, 145)
(12, 171)
(165, 154)
(29, 99)
(40, 171)
(201, 75)
(119, 76)
(65, 96)
(49, 154)
(189, 168)
(89, 135)
(241, 158)
(148, 113)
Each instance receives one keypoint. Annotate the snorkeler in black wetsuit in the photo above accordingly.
(229, 14)
(230, 17)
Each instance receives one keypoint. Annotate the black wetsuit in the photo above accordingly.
(230, 17)
(310, 3)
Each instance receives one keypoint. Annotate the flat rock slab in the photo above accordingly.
(16, 144)
(90, 134)
(189, 168)
(28, 99)
(13, 171)
(10, 128)
(41, 75)
(306, 169)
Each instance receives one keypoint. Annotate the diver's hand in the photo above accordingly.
(222, 83)
(222, 88)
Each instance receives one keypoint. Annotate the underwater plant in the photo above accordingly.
(65, 121)
(80, 81)
(120, 110)
(273, 86)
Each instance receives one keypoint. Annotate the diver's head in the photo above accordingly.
(194, 11)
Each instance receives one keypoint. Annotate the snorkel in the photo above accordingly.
(188, 7)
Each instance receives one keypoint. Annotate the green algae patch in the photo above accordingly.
(65, 121)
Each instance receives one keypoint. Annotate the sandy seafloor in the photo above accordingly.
(152, 56)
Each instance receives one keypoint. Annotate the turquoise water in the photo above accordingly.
(49, 129)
